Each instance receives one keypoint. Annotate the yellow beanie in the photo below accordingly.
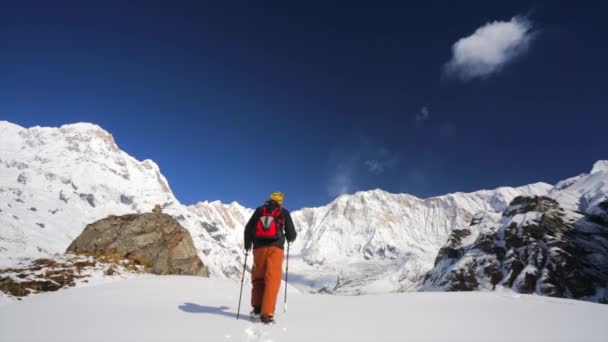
(277, 197)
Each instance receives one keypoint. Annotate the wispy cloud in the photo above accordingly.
(381, 160)
(423, 115)
(489, 49)
(341, 181)
(347, 165)
(342, 167)
(374, 166)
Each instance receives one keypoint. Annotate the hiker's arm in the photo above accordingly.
(249, 228)
(290, 229)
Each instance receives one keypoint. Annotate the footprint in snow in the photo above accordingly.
(253, 335)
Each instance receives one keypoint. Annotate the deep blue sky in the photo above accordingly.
(238, 100)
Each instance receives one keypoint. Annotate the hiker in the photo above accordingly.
(266, 230)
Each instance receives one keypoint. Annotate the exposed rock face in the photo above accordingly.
(535, 247)
(155, 240)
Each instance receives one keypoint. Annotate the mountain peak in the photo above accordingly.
(79, 126)
(9, 125)
(88, 129)
(600, 165)
(376, 191)
(82, 126)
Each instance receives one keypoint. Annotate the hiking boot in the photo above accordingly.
(256, 312)
(267, 320)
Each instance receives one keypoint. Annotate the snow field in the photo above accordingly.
(182, 308)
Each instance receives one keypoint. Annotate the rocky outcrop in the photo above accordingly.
(536, 247)
(154, 240)
(62, 271)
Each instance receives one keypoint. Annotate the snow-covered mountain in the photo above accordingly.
(375, 241)
(55, 181)
(52, 181)
(554, 245)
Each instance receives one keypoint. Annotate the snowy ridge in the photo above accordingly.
(599, 166)
(394, 238)
(584, 191)
(555, 245)
(55, 181)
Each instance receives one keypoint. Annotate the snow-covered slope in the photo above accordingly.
(180, 308)
(217, 230)
(555, 245)
(55, 181)
(585, 191)
(376, 241)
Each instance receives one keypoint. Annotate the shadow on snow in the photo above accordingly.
(195, 308)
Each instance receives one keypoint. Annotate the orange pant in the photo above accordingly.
(266, 278)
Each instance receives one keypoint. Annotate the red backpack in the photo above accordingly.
(270, 224)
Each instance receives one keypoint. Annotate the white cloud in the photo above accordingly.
(489, 49)
(423, 115)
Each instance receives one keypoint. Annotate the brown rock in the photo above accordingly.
(154, 240)
(110, 271)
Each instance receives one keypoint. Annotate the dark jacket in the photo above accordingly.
(289, 229)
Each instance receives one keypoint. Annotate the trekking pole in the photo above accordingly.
(242, 281)
(286, 277)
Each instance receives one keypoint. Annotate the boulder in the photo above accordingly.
(155, 240)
